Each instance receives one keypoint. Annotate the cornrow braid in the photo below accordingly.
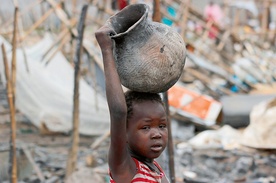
(134, 96)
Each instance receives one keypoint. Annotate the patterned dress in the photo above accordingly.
(145, 174)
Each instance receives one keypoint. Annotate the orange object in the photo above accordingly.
(194, 103)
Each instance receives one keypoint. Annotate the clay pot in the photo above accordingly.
(149, 56)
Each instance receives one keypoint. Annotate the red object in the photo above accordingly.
(213, 32)
(122, 4)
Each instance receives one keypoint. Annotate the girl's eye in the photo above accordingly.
(146, 127)
(162, 126)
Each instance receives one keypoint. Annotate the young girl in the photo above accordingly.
(138, 125)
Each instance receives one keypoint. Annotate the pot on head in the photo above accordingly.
(149, 56)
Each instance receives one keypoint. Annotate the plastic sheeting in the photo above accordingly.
(45, 93)
(261, 132)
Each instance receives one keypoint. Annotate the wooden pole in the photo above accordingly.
(265, 18)
(185, 17)
(14, 46)
(61, 13)
(11, 97)
(12, 162)
(156, 11)
(170, 145)
(72, 40)
(72, 158)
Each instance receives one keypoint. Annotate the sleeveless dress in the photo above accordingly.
(144, 174)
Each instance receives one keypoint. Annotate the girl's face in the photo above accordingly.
(147, 132)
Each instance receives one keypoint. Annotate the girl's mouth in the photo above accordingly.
(156, 148)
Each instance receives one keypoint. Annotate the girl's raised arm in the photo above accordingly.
(118, 155)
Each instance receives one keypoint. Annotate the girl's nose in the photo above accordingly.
(156, 134)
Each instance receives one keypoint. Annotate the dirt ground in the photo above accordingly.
(48, 151)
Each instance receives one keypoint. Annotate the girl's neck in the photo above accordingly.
(139, 157)
(146, 161)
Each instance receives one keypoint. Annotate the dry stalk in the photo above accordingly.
(12, 162)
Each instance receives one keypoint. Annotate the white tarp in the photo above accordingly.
(45, 93)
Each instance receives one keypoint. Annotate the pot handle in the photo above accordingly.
(112, 34)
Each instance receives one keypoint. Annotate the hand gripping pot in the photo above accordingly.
(149, 56)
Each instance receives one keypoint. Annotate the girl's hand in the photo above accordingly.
(103, 36)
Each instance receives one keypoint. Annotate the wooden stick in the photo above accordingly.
(13, 163)
(72, 158)
(33, 163)
(63, 17)
(37, 23)
(170, 146)
(156, 11)
(184, 17)
(99, 140)
(72, 48)
(12, 99)
(223, 40)
(60, 13)
(265, 17)
(14, 46)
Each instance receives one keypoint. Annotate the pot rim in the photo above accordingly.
(134, 25)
